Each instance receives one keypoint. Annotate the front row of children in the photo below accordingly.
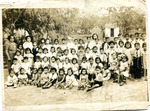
(59, 78)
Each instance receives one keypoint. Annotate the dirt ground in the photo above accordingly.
(111, 92)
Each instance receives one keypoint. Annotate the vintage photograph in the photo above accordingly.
(54, 56)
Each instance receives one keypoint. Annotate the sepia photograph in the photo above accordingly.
(70, 55)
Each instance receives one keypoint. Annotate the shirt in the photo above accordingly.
(28, 45)
(22, 76)
(11, 80)
(16, 67)
(53, 76)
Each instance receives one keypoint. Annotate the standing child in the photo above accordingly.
(75, 67)
(16, 66)
(19, 57)
(52, 76)
(28, 43)
(11, 79)
(29, 55)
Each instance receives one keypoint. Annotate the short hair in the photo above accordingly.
(10, 70)
(42, 39)
(45, 57)
(53, 69)
(61, 69)
(125, 57)
(46, 68)
(25, 58)
(53, 57)
(28, 37)
(94, 47)
(45, 49)
(80, 47)
(144, 44)
(83, 69)
(56, 40)
(37, 57)
(97, 67)
(18, 51)
(91, 58)
(87, 48)
(40, 68)
(128, 43)
(137, 43)
(121, 42)
(70, 69)
(84, 58)
(97, 59)
(112, 42)
(14, 59)
(27, 50)
(21, 69)
(74, 59)
(93, 35)
(72, 50)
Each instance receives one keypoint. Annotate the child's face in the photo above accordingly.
(76, 41)
(40, 51)
(121, 44)
(45, 59)
(95, 49)
(53, 49)
(63, 41)
(12, 73)
(127, 45)
(69, 72)
(45, 71)
(53, 71)
(66, 52)
(34, 44)
(91, 60)
(124, 59)
(22, 71)
(18, 53)
(58, 49)
(47, 41)
(56, 42)
(15, 62)
(28, 39)
(88, 50)
(144, 47)
(114, 56)
(28, 51)
(20, 46)
(97, 70)
(67, 60)
(73, 51)
(84, 72)
(112, 45)
(61, 73)
(34, 71)
(137, 46)
(25, 60)
(40, 71)
(84, 61)
(58, 61)
(74, 61)
(81, 49)
(53, 59)
(45, 51)
(105, 66)
(37, 60)
(115, 39)
(102, 51)
(119, 57)
(97, 61)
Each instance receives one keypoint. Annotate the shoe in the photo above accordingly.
(15, 86)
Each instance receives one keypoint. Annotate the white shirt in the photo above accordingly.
(16, 67)
(37, 64)
(28, 45)
(19, 58)
(53, 76)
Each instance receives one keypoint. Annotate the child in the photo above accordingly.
(38, 63)
(84, 63)
(26, 66)
(29, 55)
(88, 53)
(20, 48)
(52, 76)
(83, 82)
(106, 72)
(40, 53)
(22, 77)
(103, 56)
(66, 64)
(11, 79)
(53, 62)
(60, 79)
(16, 66)
(52, 52)
(127, 51)
(98, 79)
(59, 64)
(45, 53)
(80, 54)
(91, 69)
(45, 78)
(105, 45)
(111, 50)
(34, 76)
(47, 45)
(121, 47)
(45, 62)
(137, 63)
(63, 45)
(28, 43)
(95, 52)
(38, 79)
(19, 57)
(56, 43)
(98, 62)
(73, 54)
(123, 70)
(70, 78)
(75, 67)
(145, 55)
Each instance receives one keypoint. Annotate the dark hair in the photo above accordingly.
(75, 39)
(21, 69)
(53, 69)
(56, 40)
(27, 50)
(37, 57)
(97, 67)
(19, 45)
(74, 59)
(17, 51)
(70, 69)
(45, 57)
(91, 58)
(84, 58)
(144, 44)
(101, 48)
(125, 57)
(10, 70)
(30, 37)
(80, 47)
(128, 43)
(42, 39)
(93, 36)
(61, 70)
(94, 47)
(67, 58)
(121, 42)
(83, 69)
(53, 57)
(25, 58)
(111, 42)
(87, 48)
(72, 50)
(136, 44)
(46, 68)
(97, 59)
(14, 59)
(10, 37)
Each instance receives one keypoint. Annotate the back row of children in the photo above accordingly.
(85, 63)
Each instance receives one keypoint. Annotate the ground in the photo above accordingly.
(133, 90)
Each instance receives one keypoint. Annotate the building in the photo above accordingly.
(111, 30)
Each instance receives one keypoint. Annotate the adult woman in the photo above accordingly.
(11, 48)
(93, 41)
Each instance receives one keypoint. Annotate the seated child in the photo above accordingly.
(98, 80)
(75, 67)
(34, 76)
(11, 79)
(16, 66)
(106, 72)
(38, 79)
(37, 63)
(45, 62)
(83, 82)
(60, 79)
(45, 78)
(70, 78)
(19, 57)
(123, 70)
(22, 77)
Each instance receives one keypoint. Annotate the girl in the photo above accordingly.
(70, 79)
(137, 63)
(40, 53)
(16, 66)
(38, 79)
(52, 76)
(20, 48)
(73, 54)
(45, 53)
(29, 55)
(80, 54)
(60, 79)
(22, 77)
(106, 72)
(103, 56)
(121, 47)
(83, 82)
(127, 51)
(38, 63)
(59, 64)
(53, 62)
(95, 52)
(111, 50)
(26, 66)
(19, 57)
(34, 76)
(67, 64)
(123, 70)
(75, 67)
(45, 78)
(28, 43)
(11, 79)
(84, 63)
(105, 45)
(88, 53)
(52, 52)
(45, 62)
(98, 62)
(47, 45)
(56, 43)
(98, 79)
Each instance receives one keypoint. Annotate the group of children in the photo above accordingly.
(84, 63)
